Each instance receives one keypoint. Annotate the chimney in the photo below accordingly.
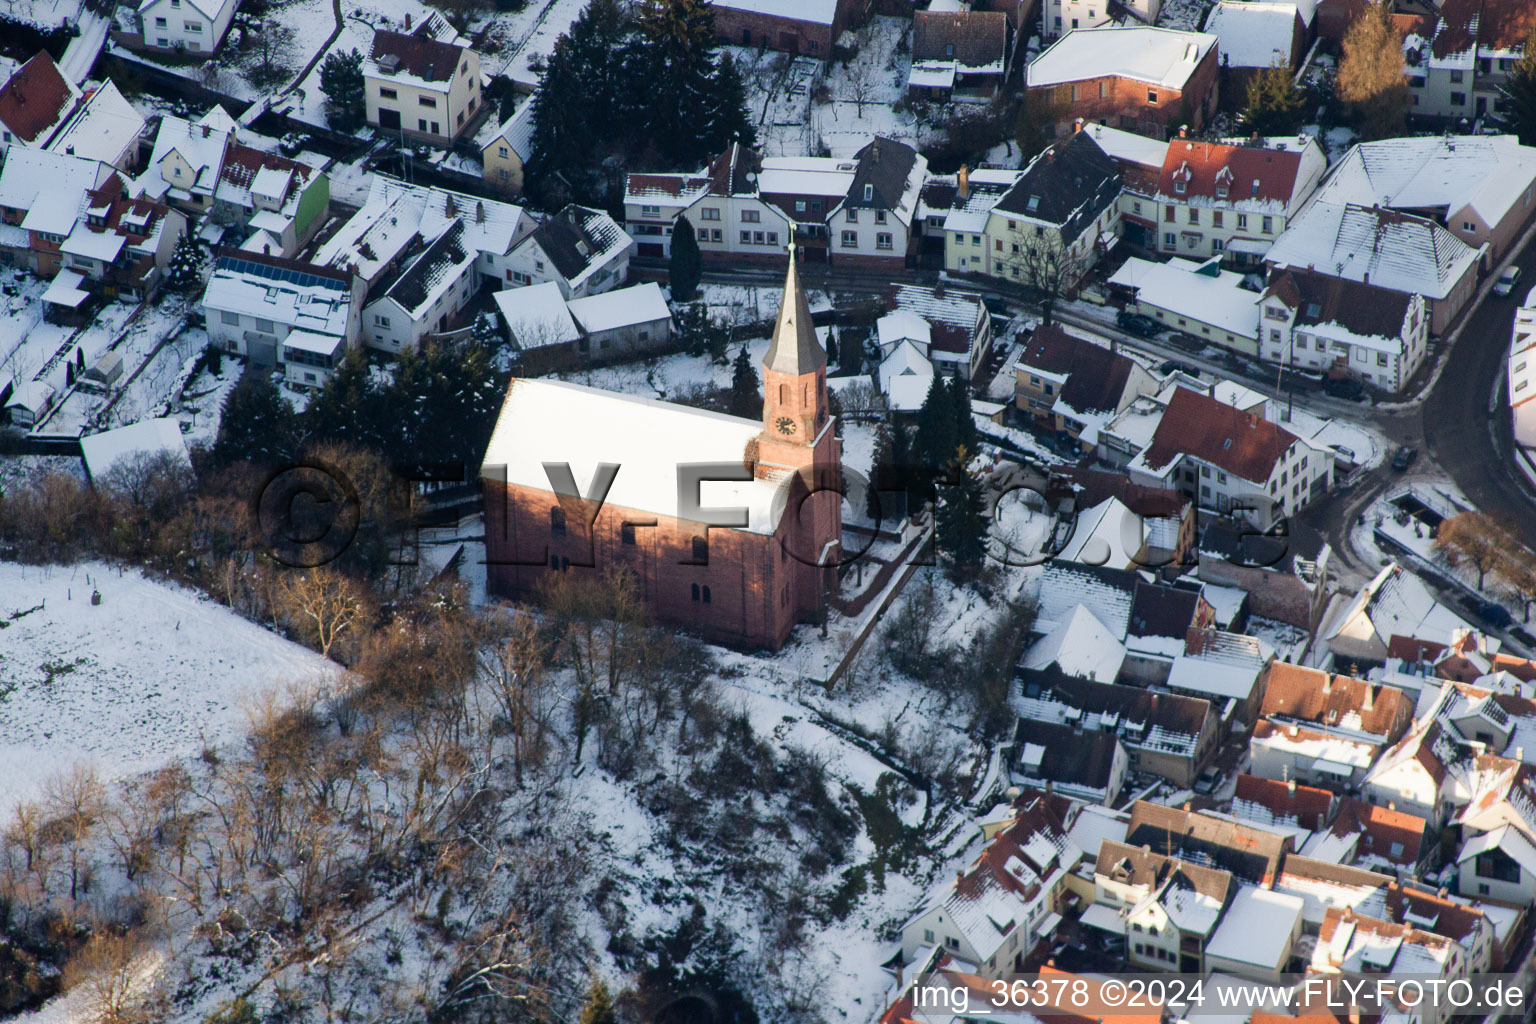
(407, 21)
(963, 182)
(1290, 786)
(1370, 698)
(1365, 278)
(1328, 683)
(205, 131)
(1186, 806)
(1077, 126)
(1391, 805)
(266, 249)
(1183, 131)
(1255, 137)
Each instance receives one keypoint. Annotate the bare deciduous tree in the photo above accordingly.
(321, 604)
(75, 802)
(1475, 538)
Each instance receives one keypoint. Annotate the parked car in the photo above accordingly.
(1208, 782)
(1494, 614)
(1404, 458)
(996, 307)
(1344, 387)
(1504, 287)
(1174, 366)
(1135, 323)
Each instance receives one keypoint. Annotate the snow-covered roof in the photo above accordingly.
(1397, 603)
(579, 241)
(1486, 173)
(53, 183)
(274, 290)
(310, 341)
(213, 10)
(1192, 911)
(903, 324)
(906, 376)
(537, 315)
(396, 211)
(517, 132)
(1099, 537)
(649, 440)
(1157, 56)
(32, 395)
(1178, 287)
(622, 307)
(96, 245)
(1128, 146)
(65, 290)
(1257, 928)
(1080, 645)
(201, 145)
(1220, 665)
(1107, 593)
(1093, 825)
(103, 129)
(1252, 34)
(806, 175)
(107, 449)
(820, 12)
(1390, 249)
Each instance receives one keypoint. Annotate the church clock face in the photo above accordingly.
(785, 424)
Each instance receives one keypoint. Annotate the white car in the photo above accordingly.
(1504, 287)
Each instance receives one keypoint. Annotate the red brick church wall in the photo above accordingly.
(747, 573)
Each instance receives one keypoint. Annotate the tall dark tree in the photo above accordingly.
(258, 424)
(598, 1008)
(579, 91)
(934, 445)
(341, 79)
(960, 410)
(1520, 94)
(834, 354)
(882, 472)
(725, 109)
(961, 526)
(184, 273)
(746, 399)
(350, 407)
(1274, 105)
(687, 265)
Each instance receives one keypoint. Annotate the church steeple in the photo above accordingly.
(794, 350)
(794, 382)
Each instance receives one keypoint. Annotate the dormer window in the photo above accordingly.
(1221, 191)
(949, 49)
(1180, 188)
(869, 193)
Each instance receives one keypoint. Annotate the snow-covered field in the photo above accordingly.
(153, 673)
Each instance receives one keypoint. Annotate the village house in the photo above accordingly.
(121, 246)
(1223, 667)
(1282, 805)
(1384, 250)
(582, 250)
(959, 327)
(1061, 16)
(1086, 766)
(875, 225)
(810, 27)
(1232, 199)
(1068, 387)
(1167, 517)
(42, 195)
(731, 219)
(1352, 944)
(423, 83)
(506, 153)
(105, 128)
(1343, 711)
(1521, 379)
(1163, 734)
(959, 55)
(1198, 301)
(1250, 854)
(954, 213)
(1254, 36)
(994, 914)
(734, 584)
(1165, 907)
(35, 101)
(297, 317)
(1050, 228)
(1377, 838)
(176, 26)
(275, 204)
(1320, 324)
(905, 375)
(1142, 79)
(1480, 188)
(551, 333)
(1394, 606)
(1459, 64)
(1232, 461)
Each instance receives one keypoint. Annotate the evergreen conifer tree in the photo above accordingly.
(1274, 104)
(184, 273)
(341, 79)
(1371, 82)
(961, 526)
(598, 1008)
(258, 424)
(687, 265)
(882, 473)
(746, 399)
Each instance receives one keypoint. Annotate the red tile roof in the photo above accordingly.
(34, 98)
(420, 55)
(1239, 442)
(1294, 691)
(1247, 172)
(1308, 805)
(1379, 828)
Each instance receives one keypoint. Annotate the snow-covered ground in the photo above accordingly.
(514, 42)
(358, 21)
(153, 673)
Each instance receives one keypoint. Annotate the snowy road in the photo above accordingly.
(80, 56)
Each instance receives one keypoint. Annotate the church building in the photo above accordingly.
(733, 527)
